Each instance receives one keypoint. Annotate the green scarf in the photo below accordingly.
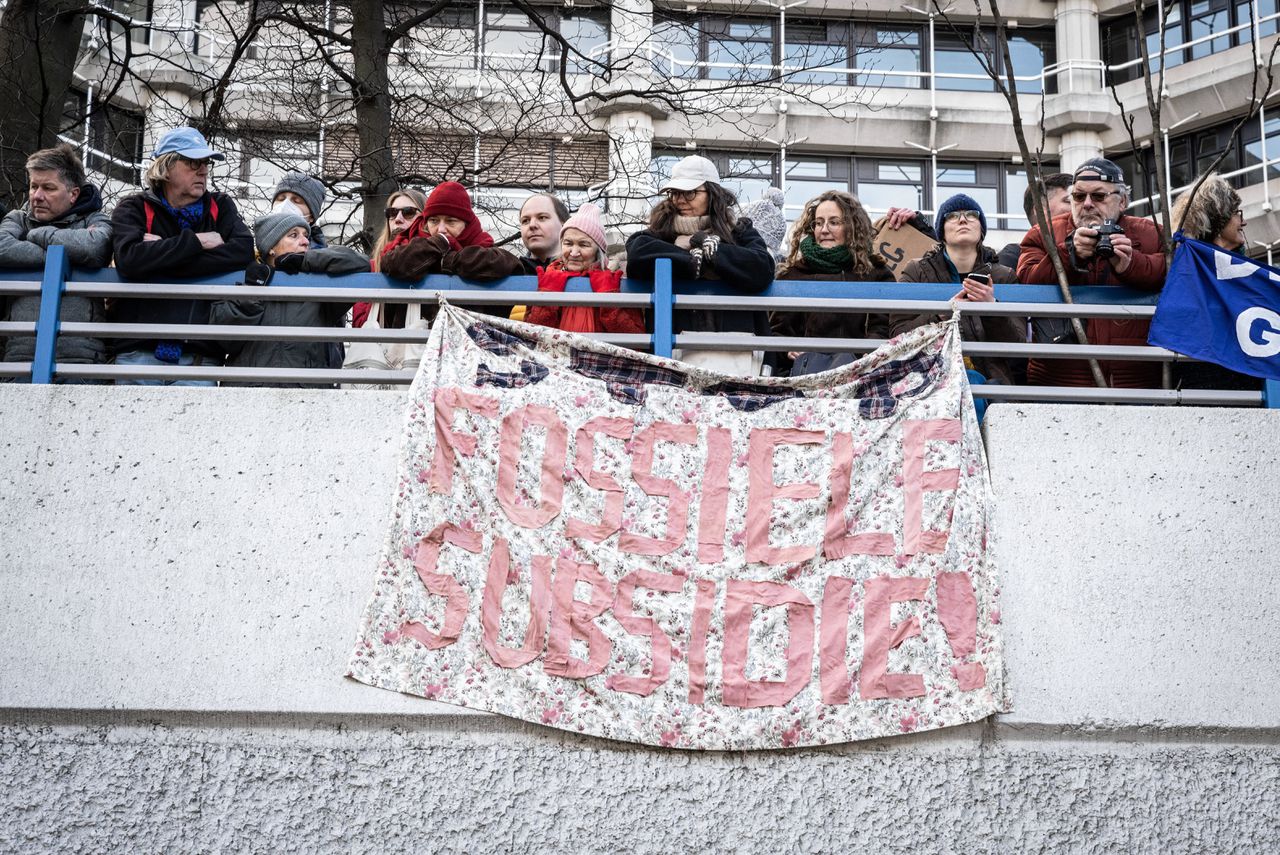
(821, 260)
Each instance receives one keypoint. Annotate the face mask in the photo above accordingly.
(287, 207)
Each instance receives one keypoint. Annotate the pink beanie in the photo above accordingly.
(587, 220)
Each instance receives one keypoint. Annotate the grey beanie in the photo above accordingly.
(310, 189)
(268, 230)
(766, 215)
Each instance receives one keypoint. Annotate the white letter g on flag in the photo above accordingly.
(1270, 333)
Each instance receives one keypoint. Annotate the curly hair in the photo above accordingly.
(1205, 216)
(721, 209)
(419, 199)
(858, 234)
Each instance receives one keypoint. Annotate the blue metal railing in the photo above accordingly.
(662, 297)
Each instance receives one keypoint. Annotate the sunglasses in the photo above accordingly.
(1098, 196)
(408, 212)
(955, 216)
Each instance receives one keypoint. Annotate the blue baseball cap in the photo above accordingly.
(187, 142)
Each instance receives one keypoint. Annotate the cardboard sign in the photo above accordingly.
(622, 545)
(900, 246)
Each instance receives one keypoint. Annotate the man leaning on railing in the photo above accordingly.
(176, 229)
(63, 209)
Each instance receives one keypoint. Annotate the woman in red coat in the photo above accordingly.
(582, 253)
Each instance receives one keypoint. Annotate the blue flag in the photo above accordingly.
(1220, 307)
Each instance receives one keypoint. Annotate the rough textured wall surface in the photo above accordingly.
(181, 572)
(378, 787)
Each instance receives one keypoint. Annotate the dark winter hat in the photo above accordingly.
(310, 189)
(960, 202)
(1100, 169)
(268, 230)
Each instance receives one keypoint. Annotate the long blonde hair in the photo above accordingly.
(419, 198)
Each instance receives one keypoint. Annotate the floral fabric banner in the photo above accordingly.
(623, 545)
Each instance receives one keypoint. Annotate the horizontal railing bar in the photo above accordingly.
(19, 287)
(990, 392)
(15, 369)
(232, 332)
(1006, 349)
(1094, 395)
(905, 306)
(319, 376)
(360, 295)
(10, 328)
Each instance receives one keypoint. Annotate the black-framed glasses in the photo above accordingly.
(408, 212)
(1098, 196)
(196, 164)
(685, 195)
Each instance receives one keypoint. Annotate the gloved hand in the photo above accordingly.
(605, 281)
(696, 254)
(257, 274)
(553, 278)
(290, 262)
(450, 242)
(706, 241)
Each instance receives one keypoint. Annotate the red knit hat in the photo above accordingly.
(450, 199)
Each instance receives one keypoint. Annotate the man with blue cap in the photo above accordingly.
(176, 228)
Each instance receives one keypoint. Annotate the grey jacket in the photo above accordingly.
(336, 261)
(86, 233)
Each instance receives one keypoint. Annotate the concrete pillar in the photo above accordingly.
(1079, 39)
(630, 182)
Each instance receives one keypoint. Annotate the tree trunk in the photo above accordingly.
(370, 52)
(39, 43)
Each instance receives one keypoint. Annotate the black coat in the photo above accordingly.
(177, 255)
(829, 324)
(744, 265)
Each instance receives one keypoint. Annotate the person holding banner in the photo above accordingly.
(696, 228)
(582, 251)
(832, 241)
(1214, 216)
(1099, 245)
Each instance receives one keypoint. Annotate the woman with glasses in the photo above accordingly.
(1213, 216)
(961, 258)
(697, 228)
(402, 207)
(446, 237)
(832, 241)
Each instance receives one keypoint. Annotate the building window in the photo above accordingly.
(113, 146)
(1187, 20)
(265, 157)
(447, 40)
(139, 11)
(514, 42)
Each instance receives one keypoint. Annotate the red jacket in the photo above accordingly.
(584, 319)
(1146, 271)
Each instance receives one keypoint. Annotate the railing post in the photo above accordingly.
(1271, 395)
(663, 302)
(52, 285)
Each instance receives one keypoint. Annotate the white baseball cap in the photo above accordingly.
(690, 174)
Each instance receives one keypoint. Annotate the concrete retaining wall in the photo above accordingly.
(181, 573)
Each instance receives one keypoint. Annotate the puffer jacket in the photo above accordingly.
(86, 233)
(336, 261)
(933, 267)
